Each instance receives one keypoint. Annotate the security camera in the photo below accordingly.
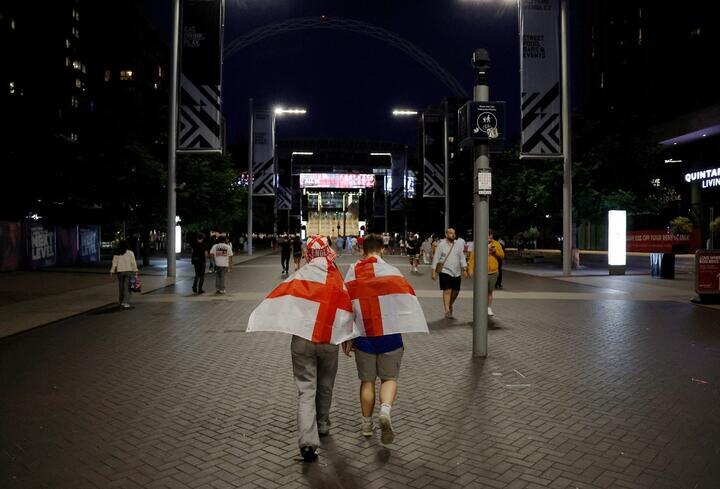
(480, 59)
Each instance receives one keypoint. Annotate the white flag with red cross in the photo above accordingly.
(313, 304)
(383, 301)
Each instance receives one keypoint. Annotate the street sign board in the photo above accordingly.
(707, 272)
(480, 122)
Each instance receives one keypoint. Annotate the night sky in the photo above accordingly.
(349, 82)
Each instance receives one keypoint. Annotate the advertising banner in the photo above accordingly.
(397, 192)
(661, 241)
(337, 180)
(379, 196)
(263, 178)
(199, 124)
(433, 156)
(66, 245)
(41, 250)
(89, 251)
(12, 251)
(707, 272)
(540, 78)
(284, 186)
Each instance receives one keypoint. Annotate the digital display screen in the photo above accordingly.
(337, 180)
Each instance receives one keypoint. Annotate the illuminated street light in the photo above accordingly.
(302, 153)
(404, 112)
(294, 110)
(380, 154)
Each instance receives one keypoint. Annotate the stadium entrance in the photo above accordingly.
(333, 202)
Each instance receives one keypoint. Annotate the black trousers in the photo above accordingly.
(199, 275)
(285, 261)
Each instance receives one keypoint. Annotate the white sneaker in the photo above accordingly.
(387, 434)
(125, 305)
(367, 427)
(490, 312)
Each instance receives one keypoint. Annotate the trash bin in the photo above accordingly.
(662, 265)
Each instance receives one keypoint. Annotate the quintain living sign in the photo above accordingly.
(200, 128)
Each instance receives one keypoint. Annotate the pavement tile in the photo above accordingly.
(174, 394)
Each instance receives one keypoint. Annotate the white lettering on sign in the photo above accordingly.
(42, 244)
(709, 259)
(708, 178)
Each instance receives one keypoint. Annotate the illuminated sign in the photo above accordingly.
(707, 178)
(617, 241)
(337, 180)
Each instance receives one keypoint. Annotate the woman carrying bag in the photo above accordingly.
(124, 266)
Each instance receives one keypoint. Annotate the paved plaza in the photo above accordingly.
(590, 382)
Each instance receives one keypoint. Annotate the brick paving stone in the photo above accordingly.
(174, 394)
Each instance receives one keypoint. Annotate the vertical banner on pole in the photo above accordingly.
(433, 158)
(200, 118)
(540, 81)
(397, 171)
(284, 187)
(379, 196)
(263, 153)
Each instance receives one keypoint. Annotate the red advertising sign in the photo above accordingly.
(707, 272)
(661, 241)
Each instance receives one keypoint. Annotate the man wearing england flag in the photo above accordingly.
(314, 306)
(385, 305)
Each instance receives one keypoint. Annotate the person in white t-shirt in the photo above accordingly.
(222, 254)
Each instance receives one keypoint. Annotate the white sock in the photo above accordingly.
(367, 419)
(385, 408)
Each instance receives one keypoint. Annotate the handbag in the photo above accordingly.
(135, 284)
(439, 266)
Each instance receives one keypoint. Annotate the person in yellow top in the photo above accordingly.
(495, 254)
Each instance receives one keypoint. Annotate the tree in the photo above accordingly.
(209, 197)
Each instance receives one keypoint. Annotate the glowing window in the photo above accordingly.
(126, 75)
(107, 75)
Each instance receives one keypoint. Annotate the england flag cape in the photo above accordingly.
(383, 301)
(313, 304)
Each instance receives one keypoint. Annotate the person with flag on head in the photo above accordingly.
(385, 306)
(313, 305)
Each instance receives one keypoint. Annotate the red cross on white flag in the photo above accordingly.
(313, 304)
(383, 301)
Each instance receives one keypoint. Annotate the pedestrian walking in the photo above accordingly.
(449, 264)
(413, 249)
(317, 332)
(285, 251)
(199, 259)
(426, 250)
(501, 242)
(221, 253)
(297, 251)
(496, 253)
(124, 266)
(379, 348)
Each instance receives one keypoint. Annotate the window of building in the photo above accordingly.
(156, 86)
(67, 61)
(655, 182)
(107, 75)
(83, 68)
(78, 83)
(74, 102)
(126, 75)
(12, 24)
(76, 14)
(73, 136)
(159, 72)
(76, 65)
(76, 32)
(12, 88)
